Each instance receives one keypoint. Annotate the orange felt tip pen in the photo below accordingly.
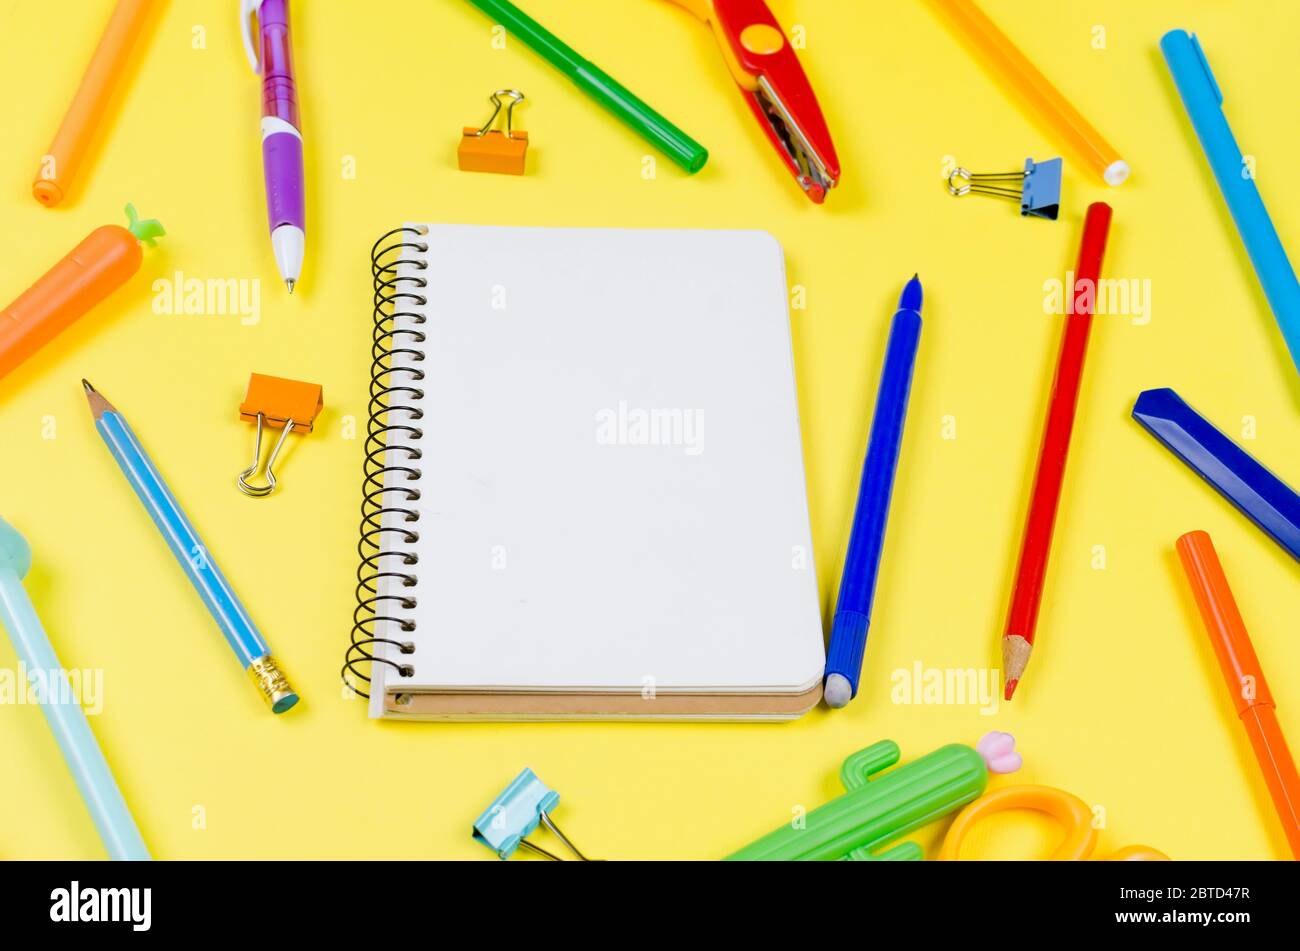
(1039, 95)
(101, 264)
(1245, 678)
(60, 164)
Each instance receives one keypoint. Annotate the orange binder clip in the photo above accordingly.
(486, 149)
(281, 404)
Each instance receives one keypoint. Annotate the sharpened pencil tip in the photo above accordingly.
(98, 405)
(289, 284)
(1010, 689)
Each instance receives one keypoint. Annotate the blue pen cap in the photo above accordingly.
(515, 813)
(1236, 475)
(1180, 49)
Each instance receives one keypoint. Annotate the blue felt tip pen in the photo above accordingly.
(217, 594)
(867, 538)
(1203, 100)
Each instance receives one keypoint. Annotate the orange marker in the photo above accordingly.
(1245, 678)
(60, 164)
(1039, 95)
(98, 266)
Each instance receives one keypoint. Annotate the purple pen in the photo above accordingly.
(281, 131)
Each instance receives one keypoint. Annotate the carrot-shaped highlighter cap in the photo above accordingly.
(145, 231)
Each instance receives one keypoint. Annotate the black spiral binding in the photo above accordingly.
(384, 551)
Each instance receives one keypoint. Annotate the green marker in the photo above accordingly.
(874, 811)
(599, 85)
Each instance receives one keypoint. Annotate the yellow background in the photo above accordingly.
(1123, 704)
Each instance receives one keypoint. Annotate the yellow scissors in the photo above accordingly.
(1070, 811)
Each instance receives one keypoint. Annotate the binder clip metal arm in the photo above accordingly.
(516, 97)
(262, 491)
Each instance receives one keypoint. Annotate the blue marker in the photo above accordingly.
(862, 564)
(217, 594)
(1203, 100)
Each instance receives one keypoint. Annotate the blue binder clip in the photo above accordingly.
(525, 803)
(1039, 193)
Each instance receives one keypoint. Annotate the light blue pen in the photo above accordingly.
(1203, 100)
(61, 706)
(193, 555)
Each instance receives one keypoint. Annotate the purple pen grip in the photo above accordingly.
(282, 159)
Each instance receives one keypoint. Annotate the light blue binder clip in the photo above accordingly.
(1039, 193)
(525, 803)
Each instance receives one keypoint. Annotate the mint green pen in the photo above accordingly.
(52, 684)
(599, 85)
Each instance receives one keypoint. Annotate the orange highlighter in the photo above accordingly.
(101, 264)
(1045, 100)
(1245, 678)
(59, 166)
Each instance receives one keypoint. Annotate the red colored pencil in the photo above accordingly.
(1027, 595)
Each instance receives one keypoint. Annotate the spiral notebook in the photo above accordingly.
(584, 491)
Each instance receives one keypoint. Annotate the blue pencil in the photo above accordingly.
(867, 538)
(62, 710)
(217, 594)
(1203, 100)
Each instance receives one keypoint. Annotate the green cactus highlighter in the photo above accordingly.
(877, 809)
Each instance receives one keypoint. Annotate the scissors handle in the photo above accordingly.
(1070, 811)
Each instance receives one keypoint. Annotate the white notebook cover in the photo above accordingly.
(612, 484)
